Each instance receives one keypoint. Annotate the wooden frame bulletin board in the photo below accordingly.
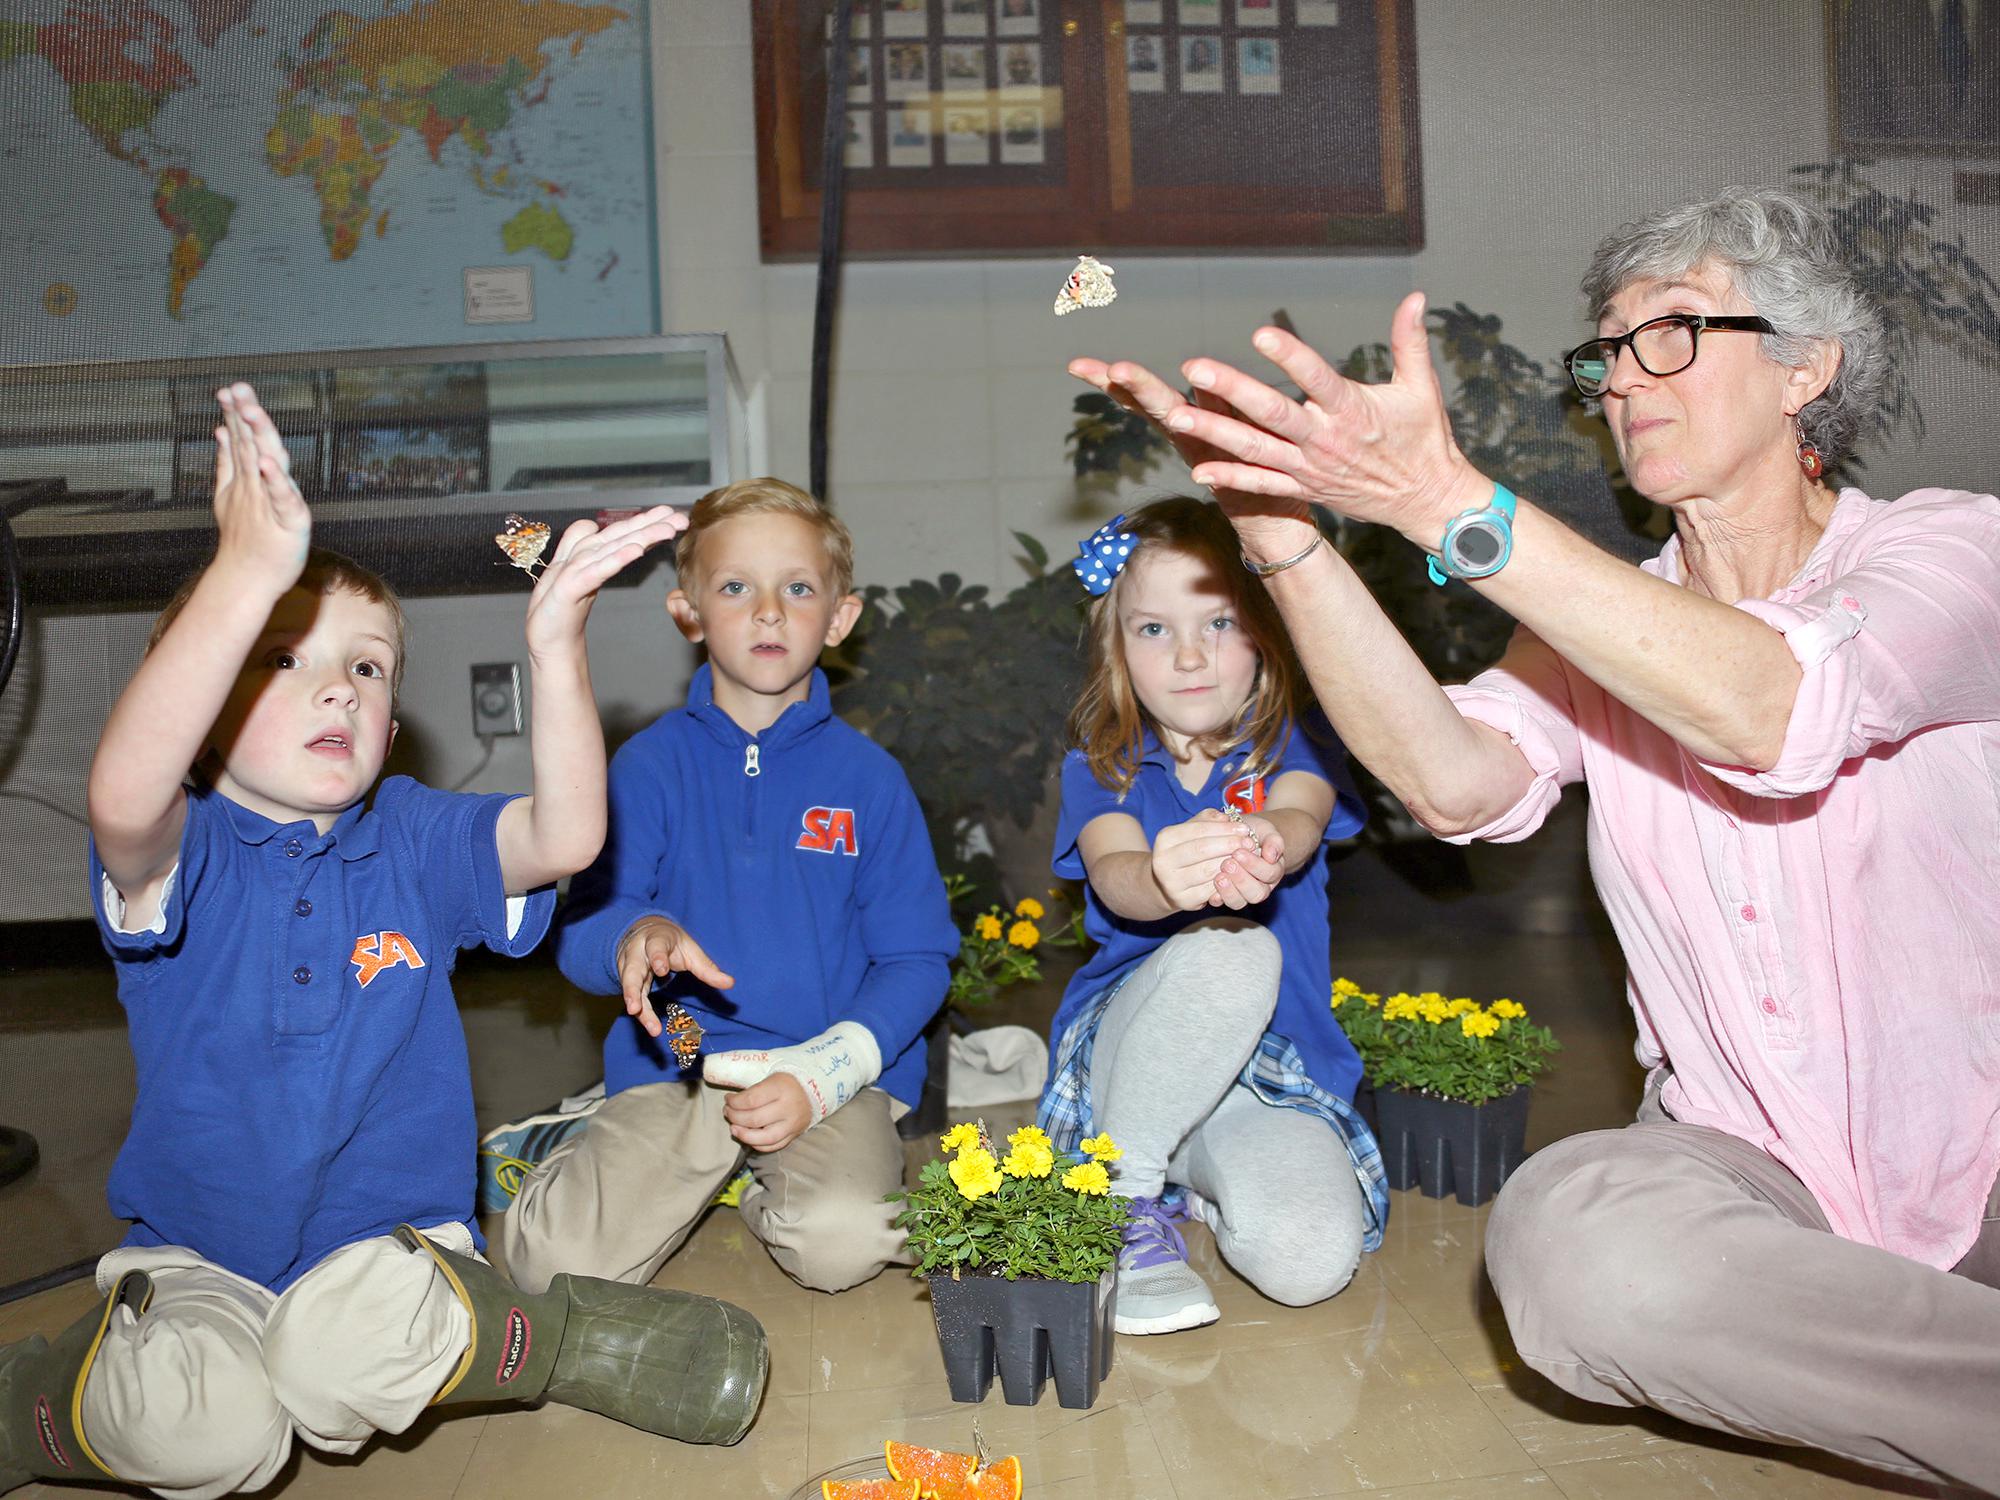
(1100, 125)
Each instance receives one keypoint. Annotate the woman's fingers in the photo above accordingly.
(1248, 479)
(1234, 438)
(1260, 405)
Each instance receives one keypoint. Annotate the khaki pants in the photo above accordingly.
(202, 1393)
(617, 1199)
(1677, 1267)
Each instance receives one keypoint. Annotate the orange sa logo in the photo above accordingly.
(376, 951)
(828, 830)
(1246, 796)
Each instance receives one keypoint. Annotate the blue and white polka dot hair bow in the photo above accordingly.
(1105, 552)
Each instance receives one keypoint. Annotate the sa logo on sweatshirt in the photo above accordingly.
(1246, 796)
(828, 830)
(376, 951)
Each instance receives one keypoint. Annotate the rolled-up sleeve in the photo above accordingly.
(1527, 698)
(1907, 638)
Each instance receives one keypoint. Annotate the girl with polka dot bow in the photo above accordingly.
(1196, 807)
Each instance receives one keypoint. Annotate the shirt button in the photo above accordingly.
(303, 907)
(293, 848)
(1770, 1006)
(302, 975)
(1747, 912)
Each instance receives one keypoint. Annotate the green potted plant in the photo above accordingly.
(1021, 1250)
(1451, 1081)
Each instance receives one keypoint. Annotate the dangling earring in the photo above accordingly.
(1811, 462)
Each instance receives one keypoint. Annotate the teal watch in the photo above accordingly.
(1478, 542)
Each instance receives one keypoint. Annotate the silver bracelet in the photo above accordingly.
(1265, 570)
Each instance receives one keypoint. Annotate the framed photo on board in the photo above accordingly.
(1116, 124)
(1910, 77)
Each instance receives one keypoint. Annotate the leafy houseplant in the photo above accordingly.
(1451, 1081)
(1021, 1251)
(997, 947)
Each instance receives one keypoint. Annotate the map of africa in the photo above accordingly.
(186, 178)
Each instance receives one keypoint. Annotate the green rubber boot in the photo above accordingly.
(663, 1361)
(41, 1395)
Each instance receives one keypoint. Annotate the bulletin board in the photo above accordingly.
(1045, 125)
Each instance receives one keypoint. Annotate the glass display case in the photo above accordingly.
(412, 459)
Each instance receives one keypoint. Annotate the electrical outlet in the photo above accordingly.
(496, 698)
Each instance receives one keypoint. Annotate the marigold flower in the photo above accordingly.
(1024, 934)
(1102, 1148)
(1435, 1010)
(1029, 907)
(1401, 1007)
(960, 1135)
(1461, 1007)
(1478, 1024)
(987, 927)
(1029, 1159)
(975, 1172)
(1033, 1133)
(1507, 1010)
(1345, 987)
(1089, 1177)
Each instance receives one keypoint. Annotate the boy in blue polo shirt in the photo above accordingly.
(303, 1257)
(767, 869)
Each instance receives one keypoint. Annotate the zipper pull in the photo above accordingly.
(750, 766)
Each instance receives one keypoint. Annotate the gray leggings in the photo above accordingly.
(1163, 1083)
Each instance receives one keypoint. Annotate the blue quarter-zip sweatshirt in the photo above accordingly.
(797, 858)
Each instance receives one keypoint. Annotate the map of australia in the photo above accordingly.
(195, 177)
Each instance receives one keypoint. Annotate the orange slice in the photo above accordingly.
(868, 1489)
(1001, 1481)
(953, 1476)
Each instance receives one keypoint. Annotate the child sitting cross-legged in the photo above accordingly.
(303, 1260)
(768, 872)
(1196, 807)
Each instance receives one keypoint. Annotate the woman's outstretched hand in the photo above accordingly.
(1377, 453)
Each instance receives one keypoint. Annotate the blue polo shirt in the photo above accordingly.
(798, 858)
(303, 1080)
(1296, 912)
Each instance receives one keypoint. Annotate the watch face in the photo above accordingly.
(1476, 546)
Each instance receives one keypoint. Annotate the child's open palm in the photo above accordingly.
(587, 557)
(261, 517)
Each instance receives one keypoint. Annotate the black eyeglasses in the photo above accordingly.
(1665, 346)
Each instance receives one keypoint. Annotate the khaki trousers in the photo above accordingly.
(202, 1393)
(617, 1199)
(1678, 1267)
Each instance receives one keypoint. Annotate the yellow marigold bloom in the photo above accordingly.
(1507, 1010)
(987, 927)
(1435, 1010)
(1102, 1148)
(1460, 1007)
(960, 1135)
(1033, 1133)
(1372, 1000)
(1345, 987)
(1029, 1159)
(1030, 908)
(1401, 1007)
(975, 1172)
(1089, 1178)
(1024, 934)
(1478, 1024)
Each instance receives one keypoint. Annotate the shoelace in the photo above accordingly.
(1150, 1237)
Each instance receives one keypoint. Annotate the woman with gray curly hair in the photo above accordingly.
(1789, 722)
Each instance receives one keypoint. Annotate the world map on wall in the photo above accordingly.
(184, 178)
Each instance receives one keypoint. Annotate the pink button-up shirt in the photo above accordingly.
(1815, 949)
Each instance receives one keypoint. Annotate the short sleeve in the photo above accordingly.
(1905, 638)
(198, 828)
(453, 838)
(1314, 748)
(1084, 797)
(1527, 698)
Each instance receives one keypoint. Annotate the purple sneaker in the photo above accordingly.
(1158, 1291)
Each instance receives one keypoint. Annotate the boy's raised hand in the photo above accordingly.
(586, 558)
(261, 520)
(1187, 858)
(653, 948)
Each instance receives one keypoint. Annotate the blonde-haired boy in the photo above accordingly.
(767, 868)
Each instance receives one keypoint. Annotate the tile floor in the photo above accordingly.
(1403, 1385)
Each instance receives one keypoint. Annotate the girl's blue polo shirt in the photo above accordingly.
(1296, 912)
(303, 1081)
